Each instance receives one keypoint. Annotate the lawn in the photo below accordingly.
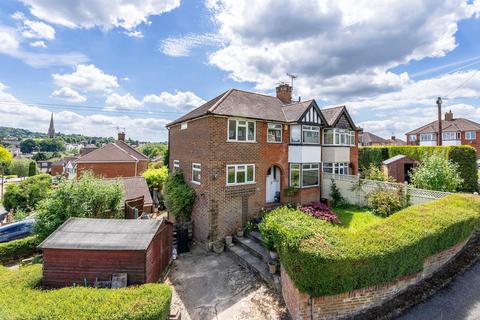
(355, 218)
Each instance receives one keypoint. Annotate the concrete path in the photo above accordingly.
(208, 286)
(460, 300)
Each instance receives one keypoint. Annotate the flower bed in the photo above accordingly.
(326, 259)
(321, 211)
(21, 300)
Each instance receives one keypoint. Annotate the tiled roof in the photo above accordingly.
(113, 152)
(239, 103)
(368, 137)
(457, 124)
(135, 187)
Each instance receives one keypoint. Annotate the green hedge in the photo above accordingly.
(21, 300)
(17, 249)
(464, 156)
(325, 259)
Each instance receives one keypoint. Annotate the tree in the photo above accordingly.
(18, 167)
(87, 197)
(32, 168)
(153, 150)
(52, 145)
(436, 173)
(28, 146)
(41, 156)
(156, 177)
(28, 193)
(5, 155)
(179, 196)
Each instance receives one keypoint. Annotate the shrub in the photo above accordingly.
(436, 173)
(32, 169)
(325, 259)
(375, 173)
(464, 156)
(87, 197)
(179, 196)
(27, 194)
(5, 155)
(19, 167)
(156, 177)
(335, 195)
(321, 211)
(17, 249)
(384, 202)
(23, 301)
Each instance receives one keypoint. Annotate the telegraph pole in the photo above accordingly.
(439, 104)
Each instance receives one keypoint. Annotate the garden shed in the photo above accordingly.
(399, 167)
(83, 250)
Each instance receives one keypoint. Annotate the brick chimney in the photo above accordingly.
(121, 136)
(449, 116)
(284, 93)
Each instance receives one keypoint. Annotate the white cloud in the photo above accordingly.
(134, 34)
(34, 29)
(8, 40)
(339, 49)
(181, 100)
(14, 113)
(68, 94)
(182, 46)
(125, 102)
(99, 13)
(87, 78)
(38, 44)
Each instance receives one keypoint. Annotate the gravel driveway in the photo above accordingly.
(209, 286)
(460, 300)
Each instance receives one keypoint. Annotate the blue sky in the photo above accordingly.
(139, 64)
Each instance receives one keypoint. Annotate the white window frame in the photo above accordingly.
(341, 168)
(301, 169)
(275, 127)
(176, 163)
(184, 125)
(237, 125)
(451, 136)
(297, 127)
(197, 167)
(309, 128)
(430, 136)
(412, 137)
(470, 135)
(236, 170)
(348, 137)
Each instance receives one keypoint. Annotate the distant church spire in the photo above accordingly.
(51, 129)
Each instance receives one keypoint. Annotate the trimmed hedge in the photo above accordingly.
(464, 156)
(21, 300)
(323, 259)
(17, 249)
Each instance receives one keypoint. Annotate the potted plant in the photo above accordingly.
(272, 266)
(239, 230)
(218, 247)
(228, 241)
(249, 227)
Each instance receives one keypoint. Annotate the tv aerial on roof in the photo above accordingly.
(292, 77)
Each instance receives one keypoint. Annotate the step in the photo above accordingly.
(255, 235)
(254, 247)
(252, 262)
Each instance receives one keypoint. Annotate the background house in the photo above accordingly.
(370, 139)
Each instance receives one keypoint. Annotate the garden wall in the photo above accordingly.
(302, 306)
(354, 190)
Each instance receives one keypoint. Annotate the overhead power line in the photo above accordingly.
(462, 84)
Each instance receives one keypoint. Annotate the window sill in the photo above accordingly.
(240, 184)
(239, 141)
(196, 182)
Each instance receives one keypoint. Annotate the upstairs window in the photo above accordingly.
(427, 137)
(412, 138)
(295, 133)
(239, 174)
(183, 125)
(451, 135)
(339, 137)
(470, 135)
(311, 134)
(196, 173)
(241, 130)
(176, 163)
(274, 133)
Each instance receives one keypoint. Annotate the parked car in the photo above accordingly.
(16, 230)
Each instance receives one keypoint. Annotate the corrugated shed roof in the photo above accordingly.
(103, 234)
(457, 124)
(394, 158)
(135, 187)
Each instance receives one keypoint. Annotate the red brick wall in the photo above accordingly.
(142, 166)
(56, 170)
(108, 170)
(354, 156)
(302, 307)
(474, 143)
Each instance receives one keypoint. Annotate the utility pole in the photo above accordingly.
(439, 104)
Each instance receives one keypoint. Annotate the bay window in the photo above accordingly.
(304, 175)
(427, 137)
(338, 137)
(450, 136)
(241, 130)
(470, 135)
(239, 174)
(336, 167)
(274, 133)
(311, 134)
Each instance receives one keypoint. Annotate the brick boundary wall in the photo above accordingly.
(303, 307)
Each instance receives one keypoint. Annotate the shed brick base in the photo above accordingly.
(303, 307)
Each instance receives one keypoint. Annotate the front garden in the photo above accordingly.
(22, 299)
(324, 257)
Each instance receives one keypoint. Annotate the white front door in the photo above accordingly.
(272, 184)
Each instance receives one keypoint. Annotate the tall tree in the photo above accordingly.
(28, 146)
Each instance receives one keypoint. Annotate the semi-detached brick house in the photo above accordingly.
(241, 150)
(455, 132)
(113, 160)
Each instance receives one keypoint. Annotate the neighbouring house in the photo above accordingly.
(136, 187)
(455, 132)
(87, 149)
(59, 167)
(244, 151)
(113, 160)
(44, 166)
(370, 139)
(399, 167)
(83, 250)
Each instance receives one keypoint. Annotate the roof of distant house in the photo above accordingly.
(239, 103)
(457, 124)
(368, 137)
(135, 187)
(103, 234)
(117, 151)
